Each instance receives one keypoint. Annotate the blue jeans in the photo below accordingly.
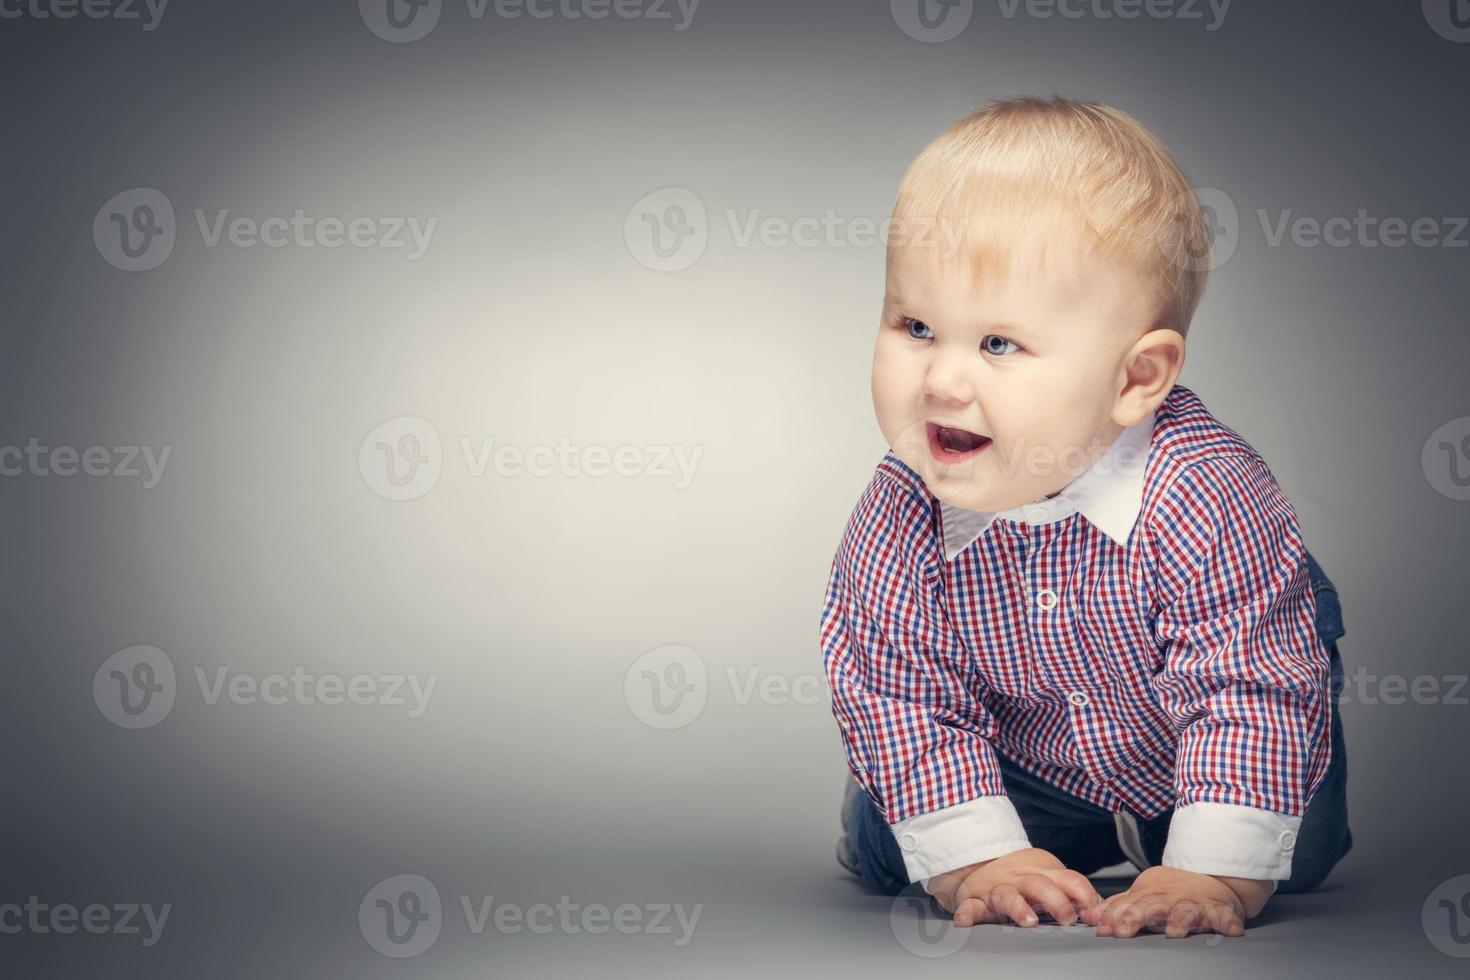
(1083, 835)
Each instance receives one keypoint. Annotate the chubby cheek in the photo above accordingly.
(895, 393)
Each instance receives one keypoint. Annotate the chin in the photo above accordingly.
(957, 489)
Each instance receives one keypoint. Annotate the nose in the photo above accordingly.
(945, 380)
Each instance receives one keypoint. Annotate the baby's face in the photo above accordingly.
(999, 393)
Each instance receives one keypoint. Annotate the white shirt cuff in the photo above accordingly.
(1236, 841)
(942, 840)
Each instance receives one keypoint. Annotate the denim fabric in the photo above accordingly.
(1083, 836)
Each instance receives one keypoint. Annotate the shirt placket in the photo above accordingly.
(1046, 546)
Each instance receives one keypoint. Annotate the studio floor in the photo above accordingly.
(750, 916)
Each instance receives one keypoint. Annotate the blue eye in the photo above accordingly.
(994, 343)
(919, 330)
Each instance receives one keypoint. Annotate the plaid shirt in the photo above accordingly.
(1143, 640)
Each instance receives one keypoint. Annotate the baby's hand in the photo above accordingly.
(1173, 900)
(1006, 888)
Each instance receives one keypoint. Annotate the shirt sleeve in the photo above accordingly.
(1245, 677)
(915, 734)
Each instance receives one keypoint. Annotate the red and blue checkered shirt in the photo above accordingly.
(1143, 640)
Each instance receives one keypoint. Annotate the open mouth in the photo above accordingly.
(950, 445)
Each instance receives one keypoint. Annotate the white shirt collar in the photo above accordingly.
(1110, 495)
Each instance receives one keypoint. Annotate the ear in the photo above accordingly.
(1150, 369)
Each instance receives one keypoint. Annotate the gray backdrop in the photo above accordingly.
(578, 457)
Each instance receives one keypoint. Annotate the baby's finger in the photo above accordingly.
(1156, 911)
(1006, 900)
(1224, 919)
(956, 896)
(1130, 919)
(971, 911)
(1182, 919)
(1077, 886)
(1039, 888)
(1093, 914)
(1108, 921)
(1105, 913)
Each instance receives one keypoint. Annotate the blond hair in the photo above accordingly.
(1007, 168)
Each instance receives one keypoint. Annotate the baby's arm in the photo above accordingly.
(1245, 675)
(916, 736)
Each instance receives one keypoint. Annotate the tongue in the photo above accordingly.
(958, 440)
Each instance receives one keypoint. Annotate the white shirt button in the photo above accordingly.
(1036, 515)
(908, 842)
(1288, 840)
(1046, 599)
(1077, 698)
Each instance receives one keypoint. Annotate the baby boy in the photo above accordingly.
(1072, 620)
